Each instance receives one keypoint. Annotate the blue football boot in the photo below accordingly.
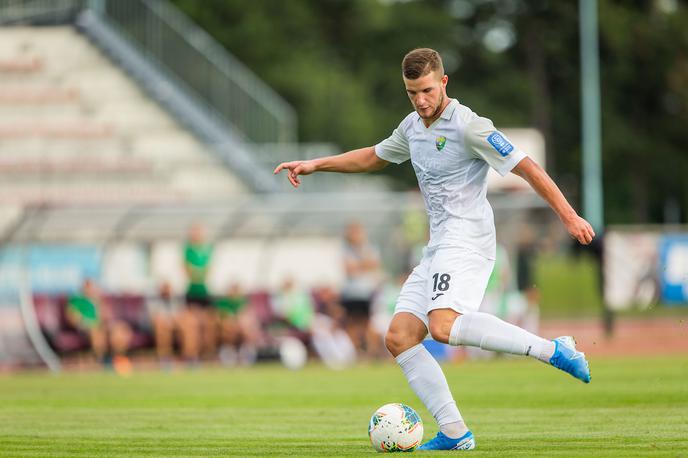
(442, 442)
(570, 360)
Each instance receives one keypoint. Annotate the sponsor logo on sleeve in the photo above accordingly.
(500, 143)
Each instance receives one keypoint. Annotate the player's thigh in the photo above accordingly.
(413, 296)
(457, 280)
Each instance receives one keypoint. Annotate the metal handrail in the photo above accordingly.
(227, 88)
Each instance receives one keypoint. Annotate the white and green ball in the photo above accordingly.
(395, 428)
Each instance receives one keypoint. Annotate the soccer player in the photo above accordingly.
(451, 148)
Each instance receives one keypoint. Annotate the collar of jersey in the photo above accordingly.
(447, 113)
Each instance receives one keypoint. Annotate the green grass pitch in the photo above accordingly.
(515, 407)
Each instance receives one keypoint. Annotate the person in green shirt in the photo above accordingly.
(84, 312)
(197, 257)
(231, 303)
(88, 312)
(295, 305)
(240, 331)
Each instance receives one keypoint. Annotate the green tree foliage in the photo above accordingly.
(515, 61)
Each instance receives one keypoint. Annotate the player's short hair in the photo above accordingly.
(420, 62)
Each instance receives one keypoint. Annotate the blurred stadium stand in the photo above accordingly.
(121, 124)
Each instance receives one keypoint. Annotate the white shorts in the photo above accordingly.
(454, 278)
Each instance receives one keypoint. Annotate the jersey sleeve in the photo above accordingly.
(487, 143)
(395, 148)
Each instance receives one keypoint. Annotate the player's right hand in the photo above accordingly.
(295, 168)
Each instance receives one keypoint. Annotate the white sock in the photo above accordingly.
(454, 430)
(427, 380)
(477, 329)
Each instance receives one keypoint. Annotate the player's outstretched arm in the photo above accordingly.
(543, 184)
(355, 161)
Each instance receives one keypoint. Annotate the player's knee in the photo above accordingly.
(399, 341)
(393, 342)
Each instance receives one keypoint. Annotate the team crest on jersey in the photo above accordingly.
(500, 143)
(440, 142)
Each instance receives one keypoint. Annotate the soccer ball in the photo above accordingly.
(395, 428)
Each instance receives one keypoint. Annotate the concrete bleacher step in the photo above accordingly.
(101, 85)
(95, 180)
(140, 119)
(14, 65)
(64, 149)
(176, 144)
(75, 127)
(33, 151)
(214, 181)
(26, 168)
(24, 112)
(30, 195)
(49, 129)
(21, 94)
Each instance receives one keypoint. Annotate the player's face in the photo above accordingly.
(427, 94)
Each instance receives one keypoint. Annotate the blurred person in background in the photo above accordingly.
(239, 330)
(295, 306)
(169, 315)
(496, 296)
(526, 254)
(316, 327)
(382, 311)
(330, 339)
(416, 233)
(451, 149)
(328, 303)
(294, 309)
(197, 256)
(363, 277)
(91, 315)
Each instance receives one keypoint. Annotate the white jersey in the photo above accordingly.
(451, 159)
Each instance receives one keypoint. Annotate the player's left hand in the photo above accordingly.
(580, 230)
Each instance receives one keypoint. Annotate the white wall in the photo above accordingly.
(255, 263)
